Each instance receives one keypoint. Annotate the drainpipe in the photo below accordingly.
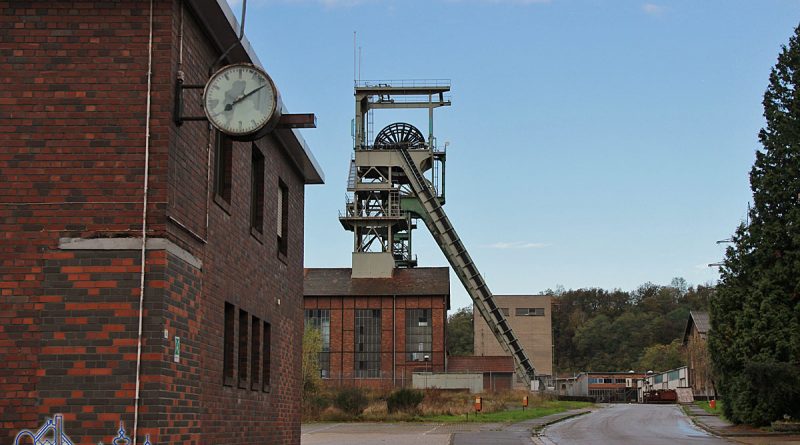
(394, 342)
(144, 227)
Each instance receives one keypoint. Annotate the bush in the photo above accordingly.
(351, 400)
(404, 400)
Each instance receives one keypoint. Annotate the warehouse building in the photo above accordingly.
(699, 369)
(106, 146)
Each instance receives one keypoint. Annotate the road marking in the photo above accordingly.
(432, 429)
(321, 429)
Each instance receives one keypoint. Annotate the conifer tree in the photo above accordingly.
(755, 314)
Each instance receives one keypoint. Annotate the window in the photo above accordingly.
(228, 336)
(321, 319)
(223, 167)
(532, 311)
(265, 357)
(255, 351)
(368, 342)
(243, 325)
(257, 190)
(504, 310)
(418, 334)
(283, 217)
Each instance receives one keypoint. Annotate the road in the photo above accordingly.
(629, 424)
(374, 433)
(612, 424)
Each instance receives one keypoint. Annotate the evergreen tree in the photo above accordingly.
(755, 315)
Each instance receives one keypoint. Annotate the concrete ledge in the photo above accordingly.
(129, 244)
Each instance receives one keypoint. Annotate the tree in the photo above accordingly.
(312, 346)
(755, 314)
(661, 357)
(460, 332)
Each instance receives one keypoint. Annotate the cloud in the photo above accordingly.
(652, 9)
(517, 245)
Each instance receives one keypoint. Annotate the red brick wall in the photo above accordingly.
(393, 333)
(72, 117)
(72, 124)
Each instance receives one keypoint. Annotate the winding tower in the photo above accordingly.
(397, 178)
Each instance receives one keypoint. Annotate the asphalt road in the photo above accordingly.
(374, 433)
(629, 424)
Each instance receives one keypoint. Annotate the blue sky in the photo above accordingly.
(592, 143)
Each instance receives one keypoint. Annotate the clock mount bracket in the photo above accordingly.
(293, 120)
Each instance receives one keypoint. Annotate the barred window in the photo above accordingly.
(367, 361)
(419, 335)
(321, 319)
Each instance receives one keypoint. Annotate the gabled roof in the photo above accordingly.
(429, 281)
(700, 320)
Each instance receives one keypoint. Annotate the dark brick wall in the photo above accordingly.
(72, 117)
(393, 337)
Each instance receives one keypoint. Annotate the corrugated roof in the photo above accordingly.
(701, 321)
(698, 319)
(480, 364)
(412, 281)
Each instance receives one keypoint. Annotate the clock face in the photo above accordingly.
(239, 99)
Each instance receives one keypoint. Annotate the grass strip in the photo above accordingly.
(509, 416)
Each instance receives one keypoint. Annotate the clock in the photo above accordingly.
(241, 101)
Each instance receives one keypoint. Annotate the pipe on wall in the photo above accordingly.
(144, 227)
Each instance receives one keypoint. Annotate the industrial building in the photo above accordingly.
(152, 263)
(497, 371)
(604, 387)
(531, 318)
(384, 317)
(377, 332)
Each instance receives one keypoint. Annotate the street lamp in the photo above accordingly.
(427, 360)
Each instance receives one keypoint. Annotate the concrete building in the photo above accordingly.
(97, 157)
(530, 316)
(695, 339)
(376, 332)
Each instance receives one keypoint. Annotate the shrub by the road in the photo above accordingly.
(351, 400)
(404, 400)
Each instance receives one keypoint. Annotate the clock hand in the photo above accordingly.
(244, 96)
(229, 107)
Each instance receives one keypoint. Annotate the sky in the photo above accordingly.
(593, 143)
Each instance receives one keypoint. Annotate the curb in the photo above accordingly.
(538, 428)
(718, 433)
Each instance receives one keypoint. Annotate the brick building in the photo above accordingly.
(498, 371)
(223, 269)
(378, 331)
(530, 316)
